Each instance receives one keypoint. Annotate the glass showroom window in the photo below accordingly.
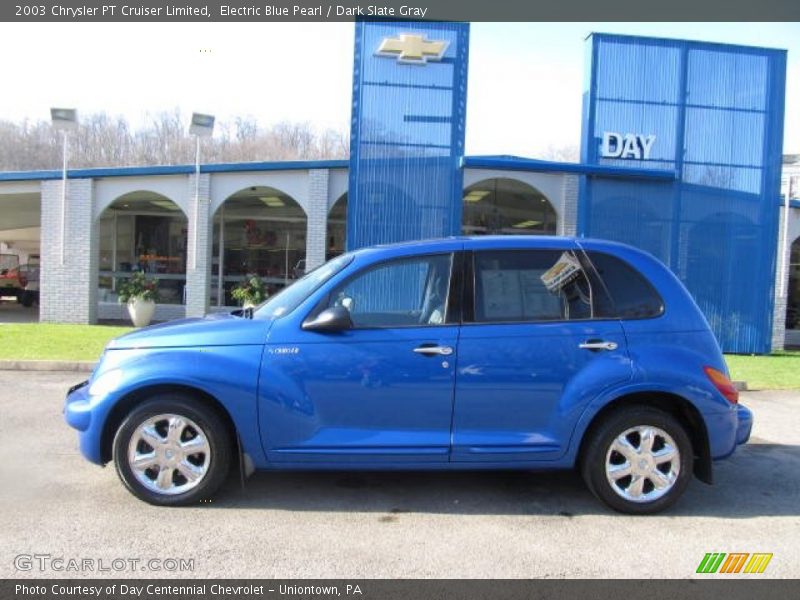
(257, 230)
(793, 302)
(337, 228)
(507, 207)
(143, 231)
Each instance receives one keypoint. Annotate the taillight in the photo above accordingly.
(723, 384)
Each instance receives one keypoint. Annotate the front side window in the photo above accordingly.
(290, 297)
(531, 285)
(406, 292)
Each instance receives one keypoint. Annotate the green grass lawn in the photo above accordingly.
(779, 371)
(46, 341)
(43, 341)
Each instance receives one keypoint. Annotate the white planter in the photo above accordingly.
(141, 311)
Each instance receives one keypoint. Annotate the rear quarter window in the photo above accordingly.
(632, 294)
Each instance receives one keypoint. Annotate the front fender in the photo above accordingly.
(227, 373)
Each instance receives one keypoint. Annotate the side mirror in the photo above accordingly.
(336, 318)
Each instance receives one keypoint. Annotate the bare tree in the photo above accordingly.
(102, 140)
(567, 153)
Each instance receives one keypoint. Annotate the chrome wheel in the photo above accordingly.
(169, 454)
(642, 464)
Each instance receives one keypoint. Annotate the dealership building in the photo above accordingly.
(681, 156)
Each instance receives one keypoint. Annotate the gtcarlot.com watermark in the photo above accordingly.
(83, 564)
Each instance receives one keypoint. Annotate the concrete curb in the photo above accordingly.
(47, 365)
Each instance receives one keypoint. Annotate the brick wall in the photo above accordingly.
(68, 288)
(779, 335)
(317, 213)
(569, 219)
(198, 264)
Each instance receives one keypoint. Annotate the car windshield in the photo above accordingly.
(290, 297)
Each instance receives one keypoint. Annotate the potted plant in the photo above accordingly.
(140, 294)
(250, 292)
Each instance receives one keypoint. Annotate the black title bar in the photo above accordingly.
(437, 10)
(381, 589)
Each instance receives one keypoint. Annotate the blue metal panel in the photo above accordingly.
(407, 137)
(516, 163)
(717, 114)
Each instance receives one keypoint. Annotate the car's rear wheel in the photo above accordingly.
(638, 460)
(172, 451)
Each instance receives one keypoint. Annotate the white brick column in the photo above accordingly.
(782, 276)
(317, 214)
(568, 225)
(68, 292)
(198, 259)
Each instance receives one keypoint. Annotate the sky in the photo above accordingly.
(525, 79)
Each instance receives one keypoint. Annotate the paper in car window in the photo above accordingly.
(560, 274)
(517, 294)
(502, 297)
(538, 303)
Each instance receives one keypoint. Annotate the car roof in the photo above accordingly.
(492, 241)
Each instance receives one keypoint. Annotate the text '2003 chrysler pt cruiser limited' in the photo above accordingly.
(461, 353)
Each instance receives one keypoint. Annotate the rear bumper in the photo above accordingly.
(744, 424)
(728, 430)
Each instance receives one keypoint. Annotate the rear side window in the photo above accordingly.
(632, 295)
(530, 285)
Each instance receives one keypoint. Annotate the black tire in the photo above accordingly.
(213, 428)
(26, 298)
(597, 450)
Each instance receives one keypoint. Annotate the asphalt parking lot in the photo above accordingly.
(12, 312)
(364, 525)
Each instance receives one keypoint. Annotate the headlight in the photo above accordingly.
(107, 382)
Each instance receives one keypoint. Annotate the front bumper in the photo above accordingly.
(77, 408)
(744, 424)
(78, 413)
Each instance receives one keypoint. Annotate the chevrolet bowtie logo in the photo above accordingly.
(412, 49)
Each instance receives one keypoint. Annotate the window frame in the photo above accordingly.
(469, 299)
(454, 291)
(609, 293)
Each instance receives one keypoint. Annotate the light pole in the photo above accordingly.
(201, 126)
(64, 120)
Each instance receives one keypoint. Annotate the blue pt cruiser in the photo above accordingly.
(462, 353)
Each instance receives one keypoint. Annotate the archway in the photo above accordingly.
(259, 230)
(337, 228)
(507, 206)
(143, 231)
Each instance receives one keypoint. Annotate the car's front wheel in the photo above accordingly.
(172, 451)
(638, 460)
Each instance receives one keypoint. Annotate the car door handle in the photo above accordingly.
(597, 345)
(434, 350)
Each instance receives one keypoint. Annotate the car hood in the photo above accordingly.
(213, 330)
